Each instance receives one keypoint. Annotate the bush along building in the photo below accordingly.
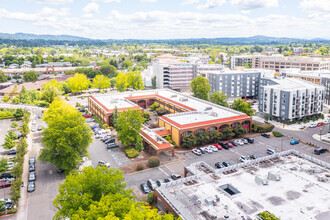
(287, 100)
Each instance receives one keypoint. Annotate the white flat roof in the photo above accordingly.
(110, 102)
(292, 84)
(298, 195)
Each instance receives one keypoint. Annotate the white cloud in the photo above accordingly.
(189, 2)
(315, 5)
(91, 8)
(253, 4)
(53, 2)
(211, 4)
(108, 1)
(148, 0)
(88, 15)
(245, 12)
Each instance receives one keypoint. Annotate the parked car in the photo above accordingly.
(152, 184)
(219, 165)
(31, 168)
(103, 163)
(40, 116)
(229, 144)
(224, 145)
(201, 149)
(87, 116)
(32, 160)
(320, 124)
(105, 138)
(196, 152)
(34, 122)
(243, 158)
(319, 150)
(226, 164)
(33, 129)
(81, 110)
(19, 135)
(110, 141)
(6, 175)
(8, 203)
(253, 157)
(160, 182)
(145, 189)
(313, 125)
(39, 128)
(217, 146)
(244, 141)
(12, 152)
(11, 158)
(175, 176)
(271, 151)
(239, 142)
(265, 135)
(250, 140)
(167, 180)
(112, 145)
(31, 186)
(59, 170)
(32, 176)
(208, 150)
(233, 142)
(293, 142)
(4, 184)
(214, 148)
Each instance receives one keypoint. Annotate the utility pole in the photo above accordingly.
(281, 143)
(321, 133)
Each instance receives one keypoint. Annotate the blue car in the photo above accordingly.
(293, 142)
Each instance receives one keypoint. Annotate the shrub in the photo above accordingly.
(139, 167)
(154, 106)
(131, 152)
(6, 99)
(161, 111)
(277, 134)
(267, 216)
(147, 116)
(153, 161)
(150, 198)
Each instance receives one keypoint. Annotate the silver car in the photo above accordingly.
(32, 176)
(31, 187)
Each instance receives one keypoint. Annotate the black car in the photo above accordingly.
(233, 142)
(39, 128)
(226, 164)
(31, 187)
(110, 141)
(201, 150)
(265, 135)
(219, 165)
(253, 157)
(167, 180)
(152, 184)
(225, 146)
(31, 168)
(19, 135)
(6, 175)
(12, 152)
(250, 140)
(160, 182)
(81, 110)
(175, 176)
(320, 150)
(145, 189)
(59, 170)
(40, 116)
(112, 145)
(32, 160)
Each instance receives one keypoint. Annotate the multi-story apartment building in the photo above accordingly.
(238, 62)
(280, 62)
(316, 77)
(287, 100)
(235, 83)
(179, 75)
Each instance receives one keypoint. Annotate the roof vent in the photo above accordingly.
(172, 96)
(183, 99)
(214, 114)
(208, 108)
(113, 100)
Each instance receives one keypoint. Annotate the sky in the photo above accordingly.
(167, 19)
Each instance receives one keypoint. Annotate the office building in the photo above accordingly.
(239, 62)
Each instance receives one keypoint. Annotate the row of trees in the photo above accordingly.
(131, 80)
(201, 88)
(201, 138)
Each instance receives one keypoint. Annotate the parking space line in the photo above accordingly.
(163, 171)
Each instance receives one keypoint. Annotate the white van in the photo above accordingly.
(271, 151)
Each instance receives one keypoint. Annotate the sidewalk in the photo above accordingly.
(324, 138)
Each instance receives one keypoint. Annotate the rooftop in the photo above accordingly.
(296, 189)
(292, 84)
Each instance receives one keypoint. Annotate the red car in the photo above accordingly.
(320, 124)
(87, 116)
(229, 144)
(4, 184)
(217, 146)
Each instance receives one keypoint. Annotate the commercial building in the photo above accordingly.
(239, 62)
(277, 62)
(286, 99)
(290, 185)
(186, 114)
(179, 75)
(321, 77)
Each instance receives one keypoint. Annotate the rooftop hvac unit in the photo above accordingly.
(214, 114)
(261, 180)
(208, 108)
(274, 176)
(183, 99)
(113, 100)
(172, 96)
(209, 201)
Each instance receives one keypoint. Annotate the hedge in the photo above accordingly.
(263, 128)
(131, 152)
(153, 161)
(139, 167)
(277, 134)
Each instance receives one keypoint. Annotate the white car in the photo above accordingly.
(196, 152)
(208, 150)
(34, 122)
(239, 142)
(213, 148)
(313, 125)
(243, 158)
(244, 141)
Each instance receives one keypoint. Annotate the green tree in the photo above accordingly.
(154, 82)
(202, 137)
(12, 134)
(239, 130)
(22, 148)
(14, 124)
(25, 130)
(323, 51)
(146, 212)
(248, 65)
(200, 88)
(304, 119)
(266, 117)
(215, 135)
(3, 165)
(267, 216)
(30, 76)
(101, 82)
(242, 106)
(126, 64)
(114, 117)
(78, 83)
(228, 133)
(154, 106)
(3, 77)
(113, 81)
(109, 70)
(50, 90)
(18, 113)
(135, 80)
(219, 98)
(161, 111)
(121, 82)
(130, 122)
(65, 88)
(9, 143)
(66, 138)
(189, 140)
(94, 193)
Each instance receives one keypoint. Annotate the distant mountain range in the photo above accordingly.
(25, 38)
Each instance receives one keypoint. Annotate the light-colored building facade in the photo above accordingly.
(281, 62)
(238, 62)
(286, 100)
